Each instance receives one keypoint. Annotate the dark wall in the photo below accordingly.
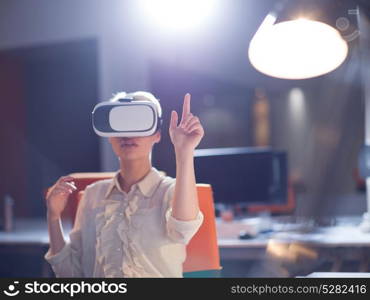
(12, 132)
(59, 93)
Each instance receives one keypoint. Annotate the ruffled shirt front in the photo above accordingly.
(119, 234)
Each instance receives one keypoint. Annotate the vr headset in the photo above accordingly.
(126, 117)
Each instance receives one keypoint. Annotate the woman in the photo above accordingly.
(138, 223)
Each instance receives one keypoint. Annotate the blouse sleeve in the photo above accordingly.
(177, 230)
(67, 262)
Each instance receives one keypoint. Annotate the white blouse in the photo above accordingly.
(119, 234)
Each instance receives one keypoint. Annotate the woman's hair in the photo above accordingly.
(139, 95)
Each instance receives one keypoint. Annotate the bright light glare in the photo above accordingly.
(297, 49)
(178, 14)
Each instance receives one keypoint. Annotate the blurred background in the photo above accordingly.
(58, 59)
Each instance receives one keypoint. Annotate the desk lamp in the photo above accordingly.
(309, 45)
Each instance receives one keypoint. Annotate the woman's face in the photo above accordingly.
(131, 148)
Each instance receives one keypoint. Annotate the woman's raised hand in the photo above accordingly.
(187, 135)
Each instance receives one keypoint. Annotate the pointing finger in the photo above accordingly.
(186, 106)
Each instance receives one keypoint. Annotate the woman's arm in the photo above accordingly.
(65, 258)
(185, 138)
(56, 200)
(185, 203)
(56, 236)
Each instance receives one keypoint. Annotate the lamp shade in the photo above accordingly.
(297, 49)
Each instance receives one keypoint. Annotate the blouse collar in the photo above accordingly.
(147, 185)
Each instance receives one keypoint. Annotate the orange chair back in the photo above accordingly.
(202, 250)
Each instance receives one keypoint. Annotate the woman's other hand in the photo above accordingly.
(57, 196)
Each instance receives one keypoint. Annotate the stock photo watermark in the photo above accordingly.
(65, 288)
(348, 31)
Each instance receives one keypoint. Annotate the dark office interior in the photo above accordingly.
(283, 159)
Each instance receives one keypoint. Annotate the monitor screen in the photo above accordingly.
(245, 176)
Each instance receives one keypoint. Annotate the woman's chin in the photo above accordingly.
(129, 156)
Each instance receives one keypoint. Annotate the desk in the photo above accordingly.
(22, 250)
(338, 275)
(30, 232)
(334, 245)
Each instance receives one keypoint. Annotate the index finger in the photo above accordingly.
(186, 106)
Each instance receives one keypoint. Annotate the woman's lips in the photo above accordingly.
(128, 145)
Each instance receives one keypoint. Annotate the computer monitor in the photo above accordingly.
(244, 176)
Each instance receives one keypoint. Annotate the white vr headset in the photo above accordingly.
(126, 117)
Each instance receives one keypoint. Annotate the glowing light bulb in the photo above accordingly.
(178, 14)
(297, 49)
